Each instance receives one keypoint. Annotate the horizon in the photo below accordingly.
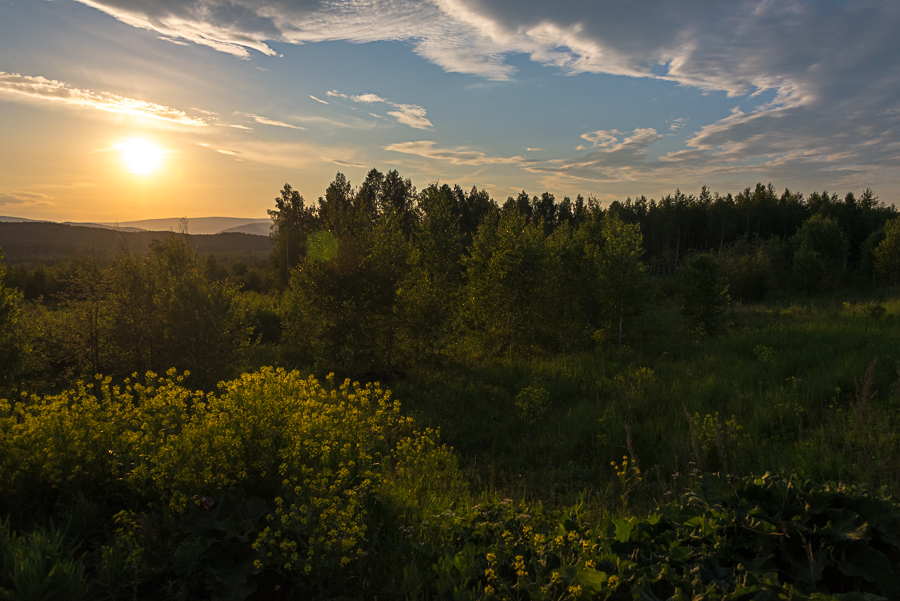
(117, 111)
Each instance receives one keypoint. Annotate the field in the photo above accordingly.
(435, 397)
(570, 476)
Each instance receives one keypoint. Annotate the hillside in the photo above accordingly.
(25, 242)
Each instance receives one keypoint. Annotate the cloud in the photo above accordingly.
(455, 156)
(343, 163)
(406, 114)
(318, 99)
(25, 88)
(18, 199)
(368, 98)
(830, 68)
(170, 40)
(267, 121)
(411, 115)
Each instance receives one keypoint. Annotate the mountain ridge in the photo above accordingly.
(195, 225)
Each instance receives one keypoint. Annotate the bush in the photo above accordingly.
(320, 465)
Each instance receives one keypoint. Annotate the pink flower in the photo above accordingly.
(207, 503)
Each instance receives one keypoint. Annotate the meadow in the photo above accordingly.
(435, 397)
(679, 466)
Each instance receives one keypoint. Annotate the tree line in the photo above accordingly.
(376, 278)
(382, 275)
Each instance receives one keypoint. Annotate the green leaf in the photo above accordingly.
(873, 566)
(624, 528)
(592, 581)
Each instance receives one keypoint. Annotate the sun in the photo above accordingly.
(140, 156)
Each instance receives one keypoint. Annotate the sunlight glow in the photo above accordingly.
(140, 156)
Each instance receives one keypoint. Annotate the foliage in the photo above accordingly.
(820, 254)
(507, 292)
(11, 343)
(429, 290)
(38, 566)
(748, 272)
(279, 472)
(533, 404)
(292, 223)
(621, 284)
(887, 254)
(762, 537)
(165, 312)
(703, 293)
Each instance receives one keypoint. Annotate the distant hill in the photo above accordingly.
(45, 242)
(19, 219)
(199, 225)
(104, 226)
(256, 229)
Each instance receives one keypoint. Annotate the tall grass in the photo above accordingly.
(779, 390)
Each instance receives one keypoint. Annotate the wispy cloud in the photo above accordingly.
(18, 198)
(411, 115)
(343, 163)
(267, 121)
(318, 99)
(406, 114)
(455, 156)
(26, 88)
(836, 96)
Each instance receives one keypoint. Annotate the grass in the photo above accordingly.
(298, 489)
(771, 387)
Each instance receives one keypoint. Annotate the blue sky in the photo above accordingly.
(603, 98)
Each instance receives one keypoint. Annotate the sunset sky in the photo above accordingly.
(117, 110)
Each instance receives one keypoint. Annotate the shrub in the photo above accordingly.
(321, 466)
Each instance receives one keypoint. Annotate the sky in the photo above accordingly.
(118, 110)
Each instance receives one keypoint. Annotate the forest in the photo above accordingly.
(433, 395)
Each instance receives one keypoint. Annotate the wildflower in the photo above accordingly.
(207, 503)
(520, 566)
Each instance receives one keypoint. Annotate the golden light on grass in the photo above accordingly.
(140, 156)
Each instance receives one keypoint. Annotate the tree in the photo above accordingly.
(506, 277)
(85, 300)
(165, 312)
(431, 288)
(703, 293)
(820, 254)
(292, 222)
(887, 253)
(341, 307)
(620, 284)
